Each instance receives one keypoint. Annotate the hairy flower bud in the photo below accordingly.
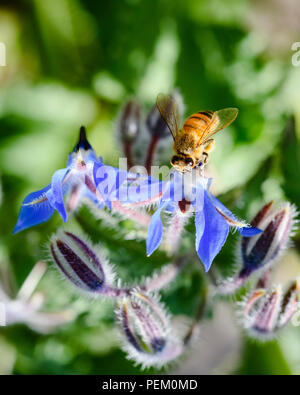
(266, 312)
(130, 121)
(290, 304)
(156, 124)
(80, 264)
(147, 335)
(265, 320)
(263, 250)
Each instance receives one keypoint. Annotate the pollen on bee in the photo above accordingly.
(210, 146)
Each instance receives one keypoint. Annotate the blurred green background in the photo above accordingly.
(74, 62)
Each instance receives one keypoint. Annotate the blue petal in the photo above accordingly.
(155, 230)
(168, 192)
(107, 180)
(121, 187)
(33, 214)
(212, 231)
(87, 194)
(222, 208)
(249, 232)
(115, 184)
(143, 191)
(70, 160)
(91, 156)
(96, 167)
(176, 187)
(245, 231)
(199, 224)
(55, 195)
(198, 202)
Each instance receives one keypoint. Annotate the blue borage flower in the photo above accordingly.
(76, 179)
(187, 193)
(85, 177)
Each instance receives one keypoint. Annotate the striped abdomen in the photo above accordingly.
(198, 121)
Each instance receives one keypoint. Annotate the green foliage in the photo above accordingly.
(263, 359)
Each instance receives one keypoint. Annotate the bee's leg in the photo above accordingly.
(209, 145)
(203, 152)
(205, 158)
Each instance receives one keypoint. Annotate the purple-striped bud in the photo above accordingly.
(147, 335)
(261, 252)
(130, 121)
(265, 320)
(156, 124)
(265, 312)
(80, 264)
(290, 304)
(264, 249)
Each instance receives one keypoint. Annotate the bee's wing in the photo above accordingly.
(169, 111)
(219, 121)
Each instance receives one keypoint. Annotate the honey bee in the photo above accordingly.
(193, 142)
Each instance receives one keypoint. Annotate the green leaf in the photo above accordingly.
(263, 359)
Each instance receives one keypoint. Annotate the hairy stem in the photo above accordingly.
(199, 315)
(127, 146)
(150, 153)
(165, 277)
(135, 215)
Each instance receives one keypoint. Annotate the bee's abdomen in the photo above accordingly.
(198, 121)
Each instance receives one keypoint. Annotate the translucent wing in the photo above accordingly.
(220, 120)
(169, 111)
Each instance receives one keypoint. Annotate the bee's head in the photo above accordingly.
(182, 163)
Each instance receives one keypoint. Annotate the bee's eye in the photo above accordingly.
(175, 159)
(200, 164)
(189, 162)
